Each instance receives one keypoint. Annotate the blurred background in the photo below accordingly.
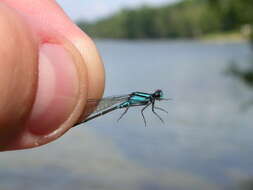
(199, 53)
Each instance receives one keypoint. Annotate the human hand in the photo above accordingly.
(48, 69)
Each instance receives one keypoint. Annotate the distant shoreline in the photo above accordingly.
(225, 37)
(221, 40)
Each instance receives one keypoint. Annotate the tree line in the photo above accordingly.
(184, 19)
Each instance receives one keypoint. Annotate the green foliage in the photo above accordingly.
(251, 36)
(184, 19)
(233, 13)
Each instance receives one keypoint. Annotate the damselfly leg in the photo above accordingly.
(153, 110)
(123, 114)
(142, 110)
(161, 109)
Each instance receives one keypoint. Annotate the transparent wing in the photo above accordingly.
(106, 102)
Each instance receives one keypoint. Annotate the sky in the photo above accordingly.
(95, 9)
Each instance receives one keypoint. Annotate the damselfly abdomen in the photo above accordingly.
(110, 104)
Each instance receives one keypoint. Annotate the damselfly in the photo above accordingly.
(110, 104)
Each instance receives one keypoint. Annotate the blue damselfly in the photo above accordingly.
(110, 104)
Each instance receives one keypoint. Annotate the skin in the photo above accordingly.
(48, 70)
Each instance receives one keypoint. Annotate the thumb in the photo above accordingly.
(44, 81)
(18, 58)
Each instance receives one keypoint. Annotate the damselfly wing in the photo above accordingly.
(95, 106)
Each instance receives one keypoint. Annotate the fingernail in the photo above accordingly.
(57, 90)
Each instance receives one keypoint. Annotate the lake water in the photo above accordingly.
(206, 142)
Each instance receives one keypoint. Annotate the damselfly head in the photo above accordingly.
(158, 94)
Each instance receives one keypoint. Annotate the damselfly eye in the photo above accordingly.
(161, 94)
(158, 93)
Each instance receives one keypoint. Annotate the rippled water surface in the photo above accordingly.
(206, 142)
